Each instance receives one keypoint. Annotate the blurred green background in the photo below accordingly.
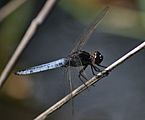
(23, 98)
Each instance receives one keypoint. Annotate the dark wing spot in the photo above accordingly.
(31, 71)
(60, 63)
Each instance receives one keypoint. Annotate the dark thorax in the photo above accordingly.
(79, 58)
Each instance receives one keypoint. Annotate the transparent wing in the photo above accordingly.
(91, 29)
(43, 67)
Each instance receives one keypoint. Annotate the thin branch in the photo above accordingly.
(9, 8)
(26, 39)
(90, 82)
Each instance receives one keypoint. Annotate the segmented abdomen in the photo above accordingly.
(43, 67)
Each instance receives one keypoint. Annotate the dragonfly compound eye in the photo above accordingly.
(99, 58)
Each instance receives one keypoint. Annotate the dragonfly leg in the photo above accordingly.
(92, 69)
(96, 68)
(102, 66)
(81, 75)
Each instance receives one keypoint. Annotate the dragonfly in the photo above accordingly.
(77, 57)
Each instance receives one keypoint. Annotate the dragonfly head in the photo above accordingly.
(98, 57)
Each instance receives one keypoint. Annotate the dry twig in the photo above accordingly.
(9, 8)
(90, 82)
(25, 40)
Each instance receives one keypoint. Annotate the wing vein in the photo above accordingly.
(86, 35)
